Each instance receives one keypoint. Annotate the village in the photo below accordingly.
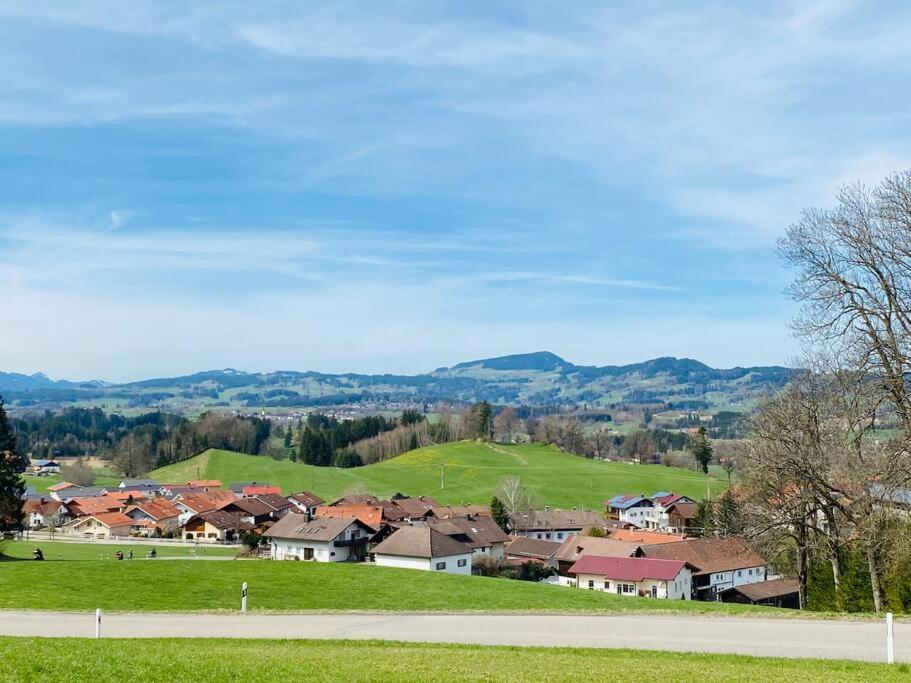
(638, 545)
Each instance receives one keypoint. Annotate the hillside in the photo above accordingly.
(540, 378)
(471, 471)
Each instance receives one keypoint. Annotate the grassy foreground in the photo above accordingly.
(72, 659)
(472, 471)
(66, 550)
(191, 585)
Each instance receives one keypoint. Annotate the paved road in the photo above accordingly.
(862, 640)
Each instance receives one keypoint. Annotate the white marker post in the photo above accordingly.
(98, 623)
(243, 597)
(890, 640)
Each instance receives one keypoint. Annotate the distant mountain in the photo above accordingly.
(539, 378)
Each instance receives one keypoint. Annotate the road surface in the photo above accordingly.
(828, 639)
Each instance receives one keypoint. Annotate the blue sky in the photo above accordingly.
(397, 186)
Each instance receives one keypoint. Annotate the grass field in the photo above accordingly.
(74, 659)
(188, 585)
(103, 477)
(65, 550)
(471, 470)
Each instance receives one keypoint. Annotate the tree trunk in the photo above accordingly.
(874, 580)
(802, 567)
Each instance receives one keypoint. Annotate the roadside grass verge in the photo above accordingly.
(74, 659)
(190, 585)
(73, 550)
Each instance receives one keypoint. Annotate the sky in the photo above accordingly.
(397, 186)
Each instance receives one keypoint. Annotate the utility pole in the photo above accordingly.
(442, 477)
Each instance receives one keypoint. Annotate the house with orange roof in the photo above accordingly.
(204, 484)
(646, 537)
(162, 516)
(100, 525)
(83, 507)
(371, 515)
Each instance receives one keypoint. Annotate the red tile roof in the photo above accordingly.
(649, 537)
(259, 490)
(371, 515)
(627, 568)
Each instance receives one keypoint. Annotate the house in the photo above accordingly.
(171, 491)
(720, 563)
(100, 525)
(83, 507)
(196, 503)
(163, 515)
(554, 525)
(204, 484)
(632, 576)
(237, 488)
(645, 537)
(773, 593)
(214, 526)
(662, 501)
(481, 534)
(444, 511)
(329, 539)
(520, 550)
(70, 492)
(417, 508)
(305, 501)
(128, 496)
(251, 510)
(420, 547)
(61, 486)
(577, 546)
(249, 491)
(44, 512)
(371, 515)
(138, 484)
(635, 510)
(44, 467)
(681, 517)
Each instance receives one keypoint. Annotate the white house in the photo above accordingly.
(636, 510)
(306, 501)
(43, 512)
(420, 547)
(101, 525)
(554, 525)
(42, 466)
(719, 563)
(661, 502)
(326, 539)
(480, 533)
(632, 576)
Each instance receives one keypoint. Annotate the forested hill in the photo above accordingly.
(540, 378)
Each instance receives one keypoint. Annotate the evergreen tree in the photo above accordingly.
(482, 420)
(704, 521)
(289, 435)
(701, 449)
(499, 514)
(11, 485)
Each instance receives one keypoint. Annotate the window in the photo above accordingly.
(462, 563)
(355, 533)
(750, 572)
(441, 566)
(591, 585)
(739, 572)
(607, 585)
(629, 589)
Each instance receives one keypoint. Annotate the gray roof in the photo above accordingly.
(83, 492)
(520, 546)
(129, 483)
(295, 526)
(239, 486)
(575, 547)
(556, 519)
(421, 541)
(483, 531)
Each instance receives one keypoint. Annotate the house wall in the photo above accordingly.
(720, 581)
(558, 535)
(678, 589)
(292, 549)
(96, 529)
(422, 563)
(207, 534)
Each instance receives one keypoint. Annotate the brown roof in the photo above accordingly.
(420, 541)
(577, 546)
(709, 555)
(295, 526)
(275, 501)
(417, 507)
(355, 499)
(221, 519)
(371, 515)
(557, 519)
(536, 548)
(650, 537)
(42, 506)
(461, 510)
(205, 484)
(763, 590)
(201, 502)
(482, 531)
(157, 509)
(685, 510)
(251, 506)
(307, 498)
(110, 519)
(89, 506)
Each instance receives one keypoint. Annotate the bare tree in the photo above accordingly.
(78, 473)
(506, 422)
(513, 495)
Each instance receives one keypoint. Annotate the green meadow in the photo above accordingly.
(75, 659)
(470, 472)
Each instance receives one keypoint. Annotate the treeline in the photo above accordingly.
(135, 445)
